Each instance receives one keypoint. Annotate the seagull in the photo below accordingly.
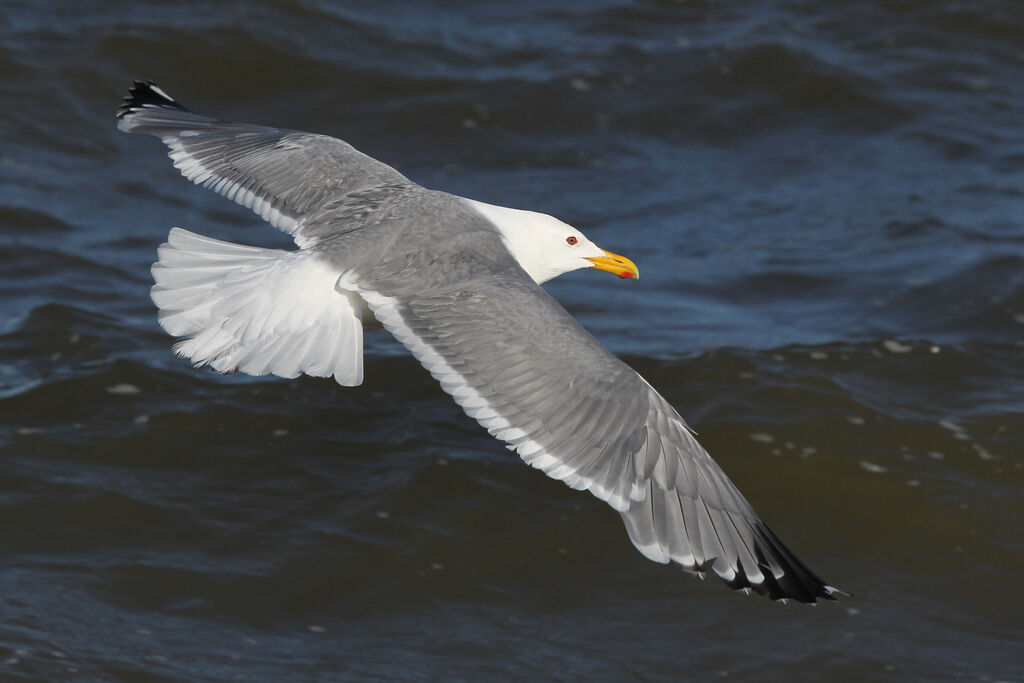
(457, 282)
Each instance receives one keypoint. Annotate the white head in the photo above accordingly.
(546, 247)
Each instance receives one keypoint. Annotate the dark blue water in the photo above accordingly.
(826, 206)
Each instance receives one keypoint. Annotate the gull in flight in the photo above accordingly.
(457, 282)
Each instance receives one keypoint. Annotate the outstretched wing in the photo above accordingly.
(284, 176)
(519, 364)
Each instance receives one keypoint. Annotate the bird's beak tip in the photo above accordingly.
(615, 264)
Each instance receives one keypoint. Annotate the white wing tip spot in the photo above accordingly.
(160, 92)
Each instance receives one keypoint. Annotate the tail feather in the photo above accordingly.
(258, 311)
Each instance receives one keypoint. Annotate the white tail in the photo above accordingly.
(258, 311)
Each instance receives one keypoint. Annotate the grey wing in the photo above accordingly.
(284, 176)
(517, 362)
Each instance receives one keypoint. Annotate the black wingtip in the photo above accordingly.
(146, 94)
(797, 582)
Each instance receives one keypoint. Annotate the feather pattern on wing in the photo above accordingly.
(516, 362)
(287, 177)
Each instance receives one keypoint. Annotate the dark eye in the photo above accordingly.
(570, 240)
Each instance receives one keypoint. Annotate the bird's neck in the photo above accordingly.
(518, 231)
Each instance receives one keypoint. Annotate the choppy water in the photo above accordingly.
(826, 206)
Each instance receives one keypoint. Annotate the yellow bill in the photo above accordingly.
(613, 263)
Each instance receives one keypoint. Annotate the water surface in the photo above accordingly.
(825, 205)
